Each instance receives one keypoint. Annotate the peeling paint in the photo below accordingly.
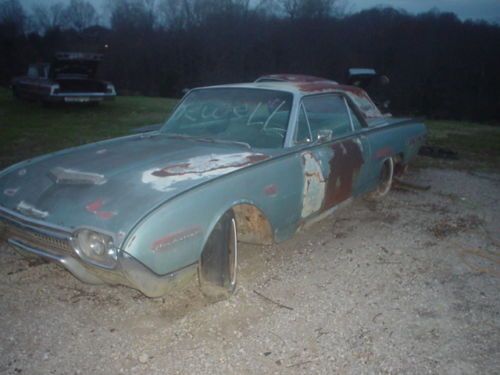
(198, 168)
(314, 185)
(271, 190)
(21, 172)
(173, 238)
(95, 208)
(294, 78)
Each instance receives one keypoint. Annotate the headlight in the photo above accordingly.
(55, 89)
(94, 247)
(110, 89)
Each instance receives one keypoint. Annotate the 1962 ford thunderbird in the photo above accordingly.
(245, 162)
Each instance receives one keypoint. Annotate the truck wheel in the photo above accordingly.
(385, 180)
(218, 263)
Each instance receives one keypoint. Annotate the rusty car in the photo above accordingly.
(251, 162)
(70, 78)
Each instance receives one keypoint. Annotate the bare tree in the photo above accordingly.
(132, 14)
(48, 17)
(79, 15)
(308, 8)
(12, 16)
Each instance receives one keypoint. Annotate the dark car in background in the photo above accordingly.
(70, 78)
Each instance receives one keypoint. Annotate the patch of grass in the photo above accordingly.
(28, 129)
(477, 145)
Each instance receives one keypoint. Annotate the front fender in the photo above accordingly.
(173, 235)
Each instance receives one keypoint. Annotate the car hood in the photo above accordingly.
(112, 184)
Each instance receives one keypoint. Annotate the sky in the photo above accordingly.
(488, 10)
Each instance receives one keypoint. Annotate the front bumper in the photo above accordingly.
(79, 97)
(52, 243)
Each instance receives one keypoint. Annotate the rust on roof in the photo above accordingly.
(294, 78)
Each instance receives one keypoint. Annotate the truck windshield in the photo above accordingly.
(252, 117)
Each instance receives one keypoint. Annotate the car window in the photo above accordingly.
(257, 117)
(365, 104)
(327, 112)
(41, 71)
(356, 122)
(33, 71)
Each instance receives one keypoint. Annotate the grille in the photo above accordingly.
(36, 239)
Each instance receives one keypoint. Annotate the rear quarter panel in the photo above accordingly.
(399, 138)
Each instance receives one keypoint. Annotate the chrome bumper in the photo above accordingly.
(70, 263)
(128, 271)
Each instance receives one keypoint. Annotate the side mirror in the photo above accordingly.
(324, 135)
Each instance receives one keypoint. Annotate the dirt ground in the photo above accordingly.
(409, 285)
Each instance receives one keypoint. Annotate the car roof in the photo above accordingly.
(290, 78)
(357, 94)
(299, 88)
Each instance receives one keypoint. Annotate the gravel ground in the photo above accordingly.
(409, 285)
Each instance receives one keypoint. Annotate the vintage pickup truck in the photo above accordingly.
(70, 78)
(248, 162)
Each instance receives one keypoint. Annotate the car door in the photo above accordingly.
(334, 157)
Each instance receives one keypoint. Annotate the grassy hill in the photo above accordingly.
(28, 129)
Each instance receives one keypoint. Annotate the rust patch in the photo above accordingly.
(172, 170)
(328, 85)
(294, 77)
(188, 168)
(344, 168)
(252, 226)
(172, 238)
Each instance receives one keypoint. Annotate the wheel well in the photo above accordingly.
(399, 164)
(252, 225)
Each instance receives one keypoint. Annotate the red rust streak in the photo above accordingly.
(383, 153)
(271, 189)
(295, 77)
(174, 237)
(94, 206)
(105, 215)
(344, 168)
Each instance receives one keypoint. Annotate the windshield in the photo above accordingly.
(253, 117)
